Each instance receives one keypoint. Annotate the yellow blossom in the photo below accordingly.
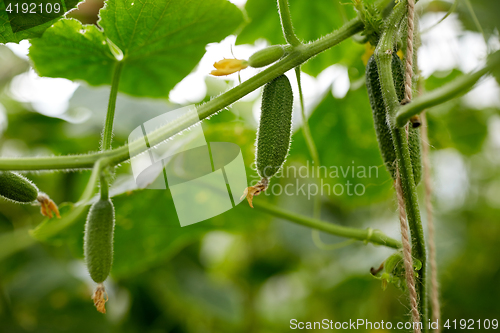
(369, 49)
(228, 66)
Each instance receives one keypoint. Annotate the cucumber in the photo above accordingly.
(98, 239)
(17, 188)
(266, 56)
(275, 128)
(274, 133)
(382, 127)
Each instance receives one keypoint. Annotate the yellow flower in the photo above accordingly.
(369, 49)
(228, 66)
(400, 54)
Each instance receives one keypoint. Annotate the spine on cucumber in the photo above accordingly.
(98, 240)
(382, 127)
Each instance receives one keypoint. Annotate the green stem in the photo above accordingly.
(286, 23)
(449, 91)
(368, 235)
(311, 147)
(116, 156)
(107, 134)
(48, 228)
(383, 54)
(476, 21)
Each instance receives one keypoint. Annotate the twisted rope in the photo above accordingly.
(436, 309)
(409, 51)
(408, 259)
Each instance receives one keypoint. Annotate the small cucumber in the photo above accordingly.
(17, 188)
(98, 240)
(266, 56)
(275, 128)
(380, 119)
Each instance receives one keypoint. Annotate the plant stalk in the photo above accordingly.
(367, 235)
(286, 23)
(107, 133)
(445, 93)
(383, 54)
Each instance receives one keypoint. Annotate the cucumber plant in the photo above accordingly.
(114, 55)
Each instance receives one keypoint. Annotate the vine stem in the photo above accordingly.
(297, 56)
(311, 147)
(383, 54)
(286, 23)
(450, 90)
(107, 133)
(367, 235)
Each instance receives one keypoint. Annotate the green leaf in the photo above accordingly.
(161, 42)
(16, 25)
(311, 19)
(73, 51)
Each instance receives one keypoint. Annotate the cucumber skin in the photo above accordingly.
(98, 239)
(266, 56)
(274, 134)
(17, 188)
(382, 128)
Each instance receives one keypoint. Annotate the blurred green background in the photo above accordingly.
(245, 270)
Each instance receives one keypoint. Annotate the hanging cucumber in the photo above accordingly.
(382, 128)
(274, 134)
(98, 246)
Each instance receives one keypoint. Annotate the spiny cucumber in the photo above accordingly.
(98, 239)
(266, 56)
(274, 133)
(17, 188)
(380, 119)
(275, 128)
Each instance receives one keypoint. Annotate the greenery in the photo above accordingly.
(244, 270)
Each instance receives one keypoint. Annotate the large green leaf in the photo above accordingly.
(16, 25)
(161, 42)
(312, 19)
